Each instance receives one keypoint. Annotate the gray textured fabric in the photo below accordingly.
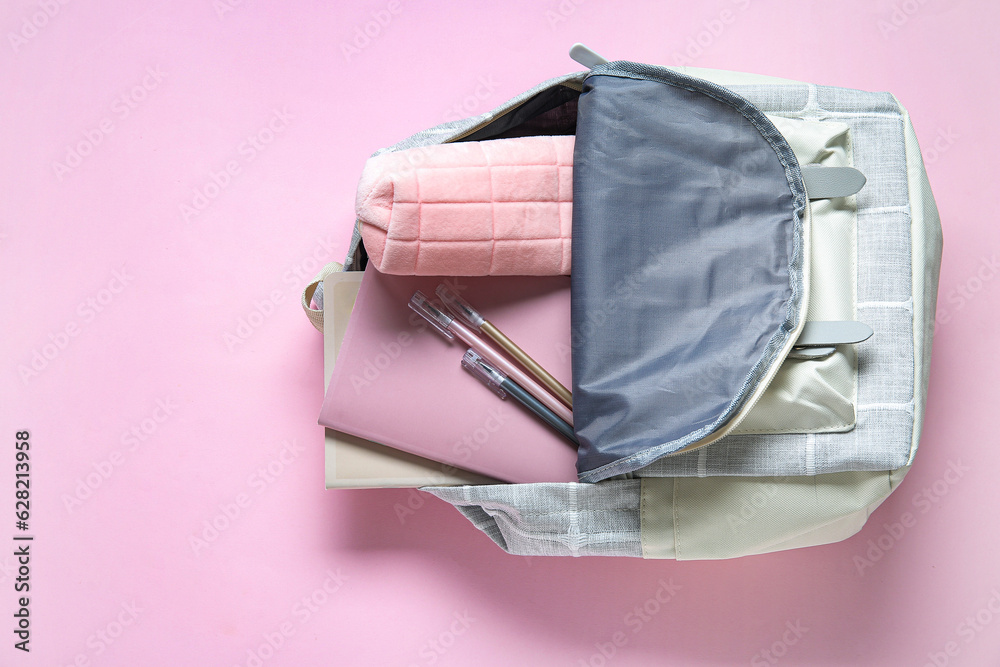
(703, 195)
(554, 519)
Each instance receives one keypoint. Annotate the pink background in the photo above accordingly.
(429, 589)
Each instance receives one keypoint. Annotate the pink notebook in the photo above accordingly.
(400, 383)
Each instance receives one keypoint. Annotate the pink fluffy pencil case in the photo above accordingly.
(500, 207)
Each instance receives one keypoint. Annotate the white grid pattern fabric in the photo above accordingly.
(554, 519)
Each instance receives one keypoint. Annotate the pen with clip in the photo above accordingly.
(502, 386)
(471, 317)
(451, 328)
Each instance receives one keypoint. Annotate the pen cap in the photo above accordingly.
(459, 306)
(437, 319)
(488, 375)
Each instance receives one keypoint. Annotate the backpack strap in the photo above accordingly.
(309, 294)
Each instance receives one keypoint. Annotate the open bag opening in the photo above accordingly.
(691, 264)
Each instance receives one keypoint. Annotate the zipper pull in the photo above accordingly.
(585, 56)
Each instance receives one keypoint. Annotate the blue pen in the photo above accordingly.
(502, 385)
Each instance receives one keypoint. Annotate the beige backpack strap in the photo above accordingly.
(316, 315)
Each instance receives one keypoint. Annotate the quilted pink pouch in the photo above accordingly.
(476, 208)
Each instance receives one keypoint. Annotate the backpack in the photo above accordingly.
(778, 452)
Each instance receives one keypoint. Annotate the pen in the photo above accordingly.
(471, 317)
(451, 328)
(502, 385)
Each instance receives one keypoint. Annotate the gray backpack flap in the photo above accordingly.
(697, 260)
(703, 195)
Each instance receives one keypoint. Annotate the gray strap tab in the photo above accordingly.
(826, 334)
(827, 182)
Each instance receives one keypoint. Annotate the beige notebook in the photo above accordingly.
(355, 463)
